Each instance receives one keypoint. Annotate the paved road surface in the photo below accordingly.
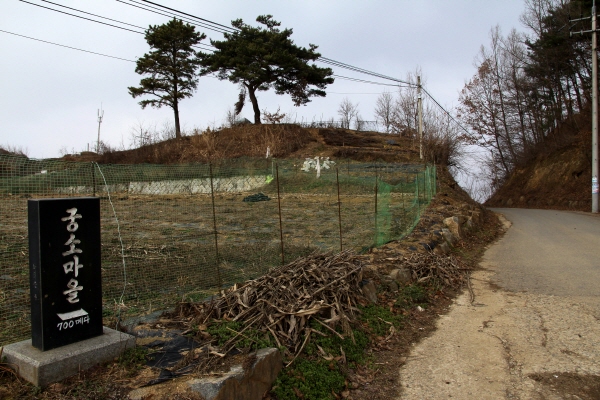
(549, 252)
(533, 331)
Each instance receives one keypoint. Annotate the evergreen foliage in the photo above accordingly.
(170, 66)
(261, 58)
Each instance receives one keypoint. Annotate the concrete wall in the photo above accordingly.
(186, 186)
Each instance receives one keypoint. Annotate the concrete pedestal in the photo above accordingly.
(44, 367)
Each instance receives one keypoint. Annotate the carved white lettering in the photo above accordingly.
(73, 322)
(72, 292)
(72, 227)
(73, 266)
(72, 249)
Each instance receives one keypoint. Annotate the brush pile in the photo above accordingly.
(436, 270)
(282, 303)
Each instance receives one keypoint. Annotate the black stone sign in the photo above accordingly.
(64, 271)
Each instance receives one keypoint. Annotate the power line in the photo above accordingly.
(354, 93)
(369, 82)
(446, 112)
(328, 61)
(362, 71)
(218, 27)
(95, 15)
(137, 4)
(199, 45)
(224, 27)
(221, 29)
(321, 59)
(79, 16)
(68, 47)
(78, 49)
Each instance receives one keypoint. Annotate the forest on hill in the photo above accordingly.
(530, 97)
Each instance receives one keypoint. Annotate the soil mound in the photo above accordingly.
(560, 179)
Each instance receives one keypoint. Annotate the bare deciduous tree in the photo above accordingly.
(274, 117)
(384, 110)
(230, 118)
(347, 111)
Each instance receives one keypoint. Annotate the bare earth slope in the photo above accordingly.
(557, 179)
(533, 329)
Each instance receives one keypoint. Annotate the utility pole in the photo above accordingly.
(100, 116)
(594, 113)
(420, 111)
(594, 105)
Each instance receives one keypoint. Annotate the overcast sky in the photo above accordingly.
(50, 95)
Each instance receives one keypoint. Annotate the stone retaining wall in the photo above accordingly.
(232, 184)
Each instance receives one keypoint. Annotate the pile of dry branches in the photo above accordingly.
(437, 270)
(320, 287)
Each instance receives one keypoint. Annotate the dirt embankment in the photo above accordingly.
(557, 179)
(282, 140)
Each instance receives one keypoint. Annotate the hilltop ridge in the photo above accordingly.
(282, 140)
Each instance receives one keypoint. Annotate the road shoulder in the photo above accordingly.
(508, 345)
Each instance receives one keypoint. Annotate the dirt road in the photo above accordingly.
(533, 329)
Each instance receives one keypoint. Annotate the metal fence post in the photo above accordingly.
(435, 181)
(418, 195)
(404, 203)
(426, 185)
(337, 175)
(93, 178)
(212, 194)
(376, 222)
(280, 222)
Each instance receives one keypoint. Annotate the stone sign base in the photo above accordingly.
(240, 383)
(44, 367)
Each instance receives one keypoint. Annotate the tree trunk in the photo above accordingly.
(177, 128)
(176, 112)
(254, 101)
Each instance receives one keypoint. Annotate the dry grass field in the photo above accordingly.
(171, 252)
(175, 247)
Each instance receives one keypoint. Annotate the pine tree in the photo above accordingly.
(263, 58)
(171, 64)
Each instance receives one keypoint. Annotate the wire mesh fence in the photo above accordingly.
(173, 232)
(359, 125)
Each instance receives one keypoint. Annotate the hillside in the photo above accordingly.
(557, 178)
(283, 141)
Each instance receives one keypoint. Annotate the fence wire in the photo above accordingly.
(188, 230)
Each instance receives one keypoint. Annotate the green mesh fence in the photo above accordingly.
(181, 232)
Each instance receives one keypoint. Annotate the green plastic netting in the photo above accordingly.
(186, 230)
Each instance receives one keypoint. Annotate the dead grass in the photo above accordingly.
(283, 141)
(212, 146)
(177, 233)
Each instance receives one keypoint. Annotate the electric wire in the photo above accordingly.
(354, 93)
(202, 46)
(95, 15)
(363, 71)
(369, 82)
(321, 59)
(78, 49)
(446, 112)
(225, 27)
(152, 9)
(79, 16)
(68, 47)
